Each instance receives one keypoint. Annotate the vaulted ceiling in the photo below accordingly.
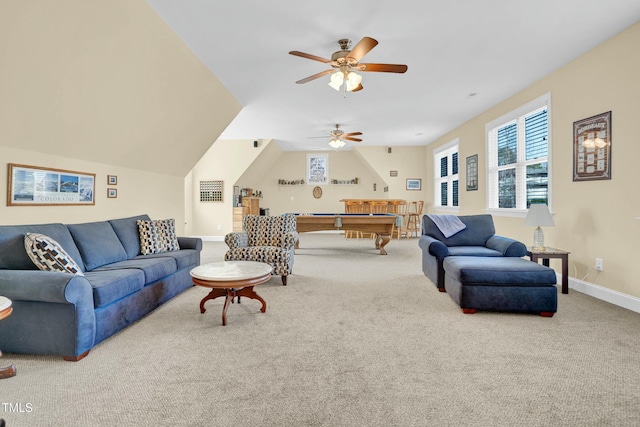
(463, 57)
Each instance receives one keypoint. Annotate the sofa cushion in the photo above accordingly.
(48, 255)
(153, 268)
(184, 258)
(473, 251)
(157, 236)
(111, 285)
(497, 271)
(127, 231)
(98, 244)
(13, 255)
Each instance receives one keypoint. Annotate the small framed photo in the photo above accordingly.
(112, 193)
(414, 184)
(472, 172)
(112, 180)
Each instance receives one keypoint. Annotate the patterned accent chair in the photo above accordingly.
(268, 239)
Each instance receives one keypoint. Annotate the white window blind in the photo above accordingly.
(446, 182)
(518, 158)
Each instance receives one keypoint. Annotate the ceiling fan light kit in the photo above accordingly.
(337, 143)
(344, 63)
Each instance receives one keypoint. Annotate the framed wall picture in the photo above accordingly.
(112, 180)
(112, 193)
(414, 184)
(472, 172)
(40, 186)
(592, 148)
(317, 169)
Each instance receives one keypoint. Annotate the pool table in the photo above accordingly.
(379, 224)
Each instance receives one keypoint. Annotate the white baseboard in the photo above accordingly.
(609, 295)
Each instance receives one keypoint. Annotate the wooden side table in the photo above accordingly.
(5, 311)
(548, 253)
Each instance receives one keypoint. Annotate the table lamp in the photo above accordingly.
(539, 215)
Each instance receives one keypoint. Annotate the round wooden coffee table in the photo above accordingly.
(5, 311)
(231, 279)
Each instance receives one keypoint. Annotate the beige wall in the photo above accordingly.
(593, 218)
(226, 160)
(239, 163)
(105, 88)
(159, 196)
(108, 82)
(343, 165)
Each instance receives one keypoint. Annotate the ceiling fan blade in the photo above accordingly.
(362, 48)
(315, 76)
(309, 56)
(383, 68)
(353, 134)
(359, 87)
(348, 138)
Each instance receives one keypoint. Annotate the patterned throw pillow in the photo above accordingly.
(48, 255)
(157, 236)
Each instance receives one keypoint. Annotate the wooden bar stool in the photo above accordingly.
(413, 220)
(378, 207)
(353, 207)
(402, 210)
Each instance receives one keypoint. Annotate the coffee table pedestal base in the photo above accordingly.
(230, 294)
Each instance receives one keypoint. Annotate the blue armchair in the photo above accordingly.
(477, 239)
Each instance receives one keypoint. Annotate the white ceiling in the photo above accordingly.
(492, 48)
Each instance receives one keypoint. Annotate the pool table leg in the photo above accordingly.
(381, 242)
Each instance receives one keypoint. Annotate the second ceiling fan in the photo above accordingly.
(345, 62)
(337, 137)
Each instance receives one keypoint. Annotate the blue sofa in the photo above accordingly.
(478, 239)
(58, 313)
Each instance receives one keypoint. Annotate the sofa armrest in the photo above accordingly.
(44, 286)
(54, 313)
(433, 246)
(289, 240)
(507, 246)
(237, 239)
(190, 243)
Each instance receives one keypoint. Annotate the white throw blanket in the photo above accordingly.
(447, 224)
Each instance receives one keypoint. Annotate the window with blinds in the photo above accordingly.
(446, 176)
(518, 158)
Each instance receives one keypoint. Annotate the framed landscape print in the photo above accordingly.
(414, 184)
(472, 172)
(39, 186)
(592, 148)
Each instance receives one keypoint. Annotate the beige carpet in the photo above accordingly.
(355, 339)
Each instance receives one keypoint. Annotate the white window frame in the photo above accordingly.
(446, 150)
(515, 116)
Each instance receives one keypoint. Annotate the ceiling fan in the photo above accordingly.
(337, 137)
(345, 62)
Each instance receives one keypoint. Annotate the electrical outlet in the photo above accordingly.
(599, 264)
(219, 226)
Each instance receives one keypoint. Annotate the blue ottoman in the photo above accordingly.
(501, 284)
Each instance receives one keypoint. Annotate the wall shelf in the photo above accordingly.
(286, 182)
(353, 181)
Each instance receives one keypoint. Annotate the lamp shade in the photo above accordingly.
(336, 80)
(539, 215)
